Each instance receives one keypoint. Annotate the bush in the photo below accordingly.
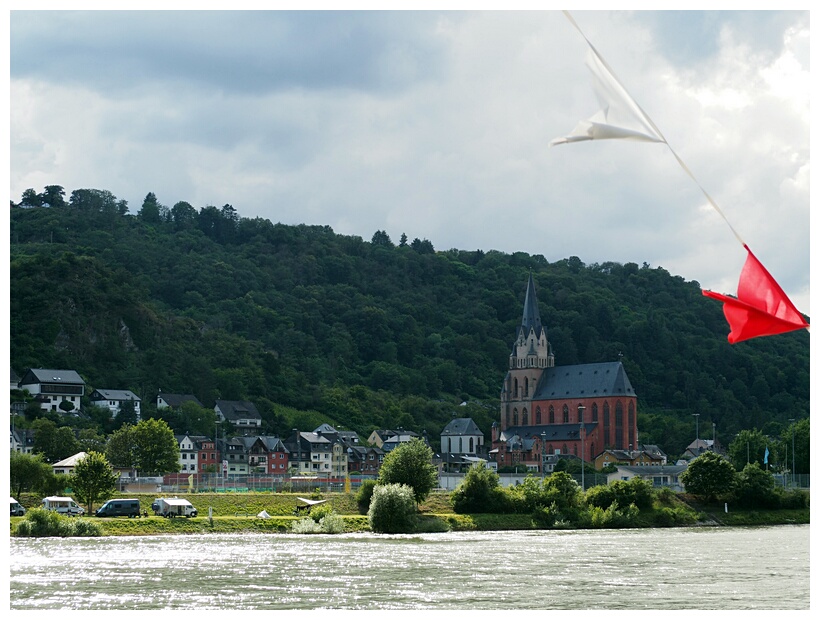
(42, 522)
(305, 526)
(613, 516)
(392, 509)
(317, 513)
(364, 495)
(756, 488)
(332, 524)
(410, 464)
(666, 496)
(600, 496)
(479, 492)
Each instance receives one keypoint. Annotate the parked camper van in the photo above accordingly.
(119, 508)
(16, 509)
(171, 507)
(63, 505)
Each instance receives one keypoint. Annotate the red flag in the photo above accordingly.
(761, 307)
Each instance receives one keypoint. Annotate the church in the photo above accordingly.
(546, 410)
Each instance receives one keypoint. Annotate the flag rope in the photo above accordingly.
(657, 130)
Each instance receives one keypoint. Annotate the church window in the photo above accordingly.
(460, 450)
(525, 418)
(594, 412)
(472, 449)
(566, 414)
(619, 425)
(631, 423)
(564, 450)
(607, 440)
(538, 415)
(526, 386)
(515, 417)
(552, 414)
(515, 389)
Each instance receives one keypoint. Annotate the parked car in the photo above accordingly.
(171, 507)
(119, 508)
(63, 505)
(16, 509)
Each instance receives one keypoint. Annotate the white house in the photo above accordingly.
(188, 453)
(173, 401)
(658, 475)
(66, 466)
(114, 399)
(52, 387)
(240, 413)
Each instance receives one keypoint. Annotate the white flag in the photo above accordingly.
(620, 116)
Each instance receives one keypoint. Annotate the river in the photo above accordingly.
(711, 568)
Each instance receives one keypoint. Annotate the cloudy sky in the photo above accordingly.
(437, 125)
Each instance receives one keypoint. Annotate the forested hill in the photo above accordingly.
(371, 334)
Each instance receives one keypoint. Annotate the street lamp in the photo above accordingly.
(582, 433)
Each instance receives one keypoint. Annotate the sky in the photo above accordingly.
(435, 124)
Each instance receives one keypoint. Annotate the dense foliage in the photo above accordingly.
(393, 509)
(93, 480)
(366, 334)
(410, 464)
(709, 476)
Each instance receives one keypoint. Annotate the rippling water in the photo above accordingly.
(688, 568)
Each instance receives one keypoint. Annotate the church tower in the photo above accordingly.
(530, 356)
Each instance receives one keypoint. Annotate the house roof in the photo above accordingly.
(584, 381)
(100, 394)
(461, 426)
(553, 432)
(48, 375)
(175, 400)
(71, 461)
(653, 469)
(238, 410)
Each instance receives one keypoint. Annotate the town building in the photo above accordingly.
(581, 409)
(113, 400)
(174, 401)
(51, 387)
(242, 414)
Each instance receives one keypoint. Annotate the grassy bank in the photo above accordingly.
(236, 513)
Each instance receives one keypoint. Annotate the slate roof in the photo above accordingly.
(554, 432)
(584, 381)
(48, 375)
(175, 400)
(462, 426)
(114, 395)
(238, 410)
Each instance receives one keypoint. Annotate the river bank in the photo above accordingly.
(237, 512)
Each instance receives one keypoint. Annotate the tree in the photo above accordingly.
(392, 509)
(93, 480)
(709, 476)
(381, 238)
(53, 442)
(156, 451)
(410, 463)
(756, 488)
(120, 447)
(66, 406)
(480, 491)
(126, 415)
(150, 211)
(27, 472)
(748, 446)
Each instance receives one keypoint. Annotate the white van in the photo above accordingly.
(171, 507)
(63, 505)
(16, 509)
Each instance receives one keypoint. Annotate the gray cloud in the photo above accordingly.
(436, 125)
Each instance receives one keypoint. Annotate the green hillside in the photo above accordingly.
(314, 326)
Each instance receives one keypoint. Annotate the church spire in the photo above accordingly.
(531, 318)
